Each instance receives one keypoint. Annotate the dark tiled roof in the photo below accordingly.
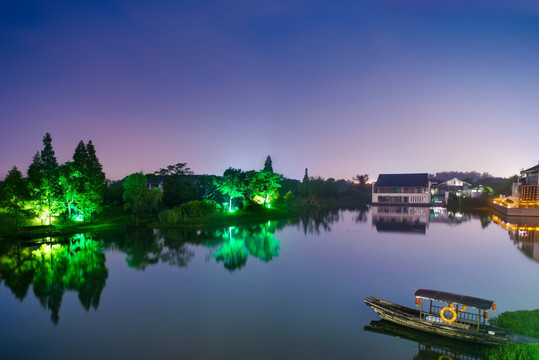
(455, 298)
(402, 180)
(532, 169)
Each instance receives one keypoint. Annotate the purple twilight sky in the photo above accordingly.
(339, 87)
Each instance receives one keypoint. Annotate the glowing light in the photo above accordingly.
(258, 199)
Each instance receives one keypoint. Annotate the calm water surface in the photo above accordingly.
(288, 289)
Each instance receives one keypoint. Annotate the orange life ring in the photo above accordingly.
(452, 309)
(443, 357)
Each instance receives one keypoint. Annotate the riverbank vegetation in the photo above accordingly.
(523, 322)
(63, 198)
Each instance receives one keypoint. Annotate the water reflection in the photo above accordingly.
(78, 263)
(316, 221)
(523, 231)
(403, 219)
(430, 347)
(416, 219)
(240, 242)
(54, 268)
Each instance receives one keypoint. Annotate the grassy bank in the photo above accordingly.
(109, 218)
(190, 215)
(227, 218)
(524, 322)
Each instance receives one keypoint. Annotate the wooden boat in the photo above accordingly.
(451, 320)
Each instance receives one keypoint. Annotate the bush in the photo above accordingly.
(188, 210)
(525, 322)
(512, 351)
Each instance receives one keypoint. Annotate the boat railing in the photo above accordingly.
(462, 316)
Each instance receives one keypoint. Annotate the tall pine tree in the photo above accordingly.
(92, 179)
(43, 181)
(268, 166)
(80, 157)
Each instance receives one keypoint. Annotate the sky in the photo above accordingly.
(338, 87)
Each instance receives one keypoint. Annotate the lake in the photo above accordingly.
(280, 289)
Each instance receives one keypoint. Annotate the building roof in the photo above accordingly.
(454, 181)
(531, 170)
(402, 180)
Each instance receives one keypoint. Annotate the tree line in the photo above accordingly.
(177, 188)
(77, 190)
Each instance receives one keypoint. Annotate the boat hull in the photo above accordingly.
(408, 317)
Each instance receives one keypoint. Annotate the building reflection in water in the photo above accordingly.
(402, 219)
(523, 231)
(413, 219)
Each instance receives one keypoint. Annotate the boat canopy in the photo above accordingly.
(455, 298)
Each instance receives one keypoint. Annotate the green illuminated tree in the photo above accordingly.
(72, 184)
(15, 196)
(92, 197)
(138, 199)
(233, 184)
(82, 181)
(264, 186)
(43, 182)
(134, 185)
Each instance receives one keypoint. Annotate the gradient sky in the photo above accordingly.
(339, 87)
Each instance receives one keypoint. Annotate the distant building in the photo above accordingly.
(454, 185)
(459, 188)
(529, 190)
(525, 195)
(402, 189)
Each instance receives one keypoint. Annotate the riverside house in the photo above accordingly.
(402, 189)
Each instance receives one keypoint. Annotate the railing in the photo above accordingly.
(462, 317)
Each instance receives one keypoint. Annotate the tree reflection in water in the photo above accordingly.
(316, 221)
(77, 263)
(54, 268)
(238, 242)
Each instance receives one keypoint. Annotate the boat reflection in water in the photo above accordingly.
(523, 231)
(430, 347)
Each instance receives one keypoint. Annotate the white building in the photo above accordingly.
(400, 189)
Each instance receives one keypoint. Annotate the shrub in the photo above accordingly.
(188, 210)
